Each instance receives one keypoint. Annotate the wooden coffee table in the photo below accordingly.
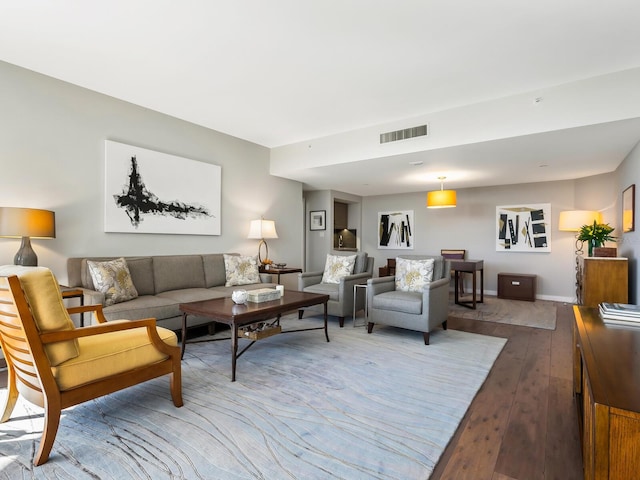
(224, 310)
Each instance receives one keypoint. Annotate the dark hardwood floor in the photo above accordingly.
(522, 424)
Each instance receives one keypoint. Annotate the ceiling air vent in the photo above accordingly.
(412, 132)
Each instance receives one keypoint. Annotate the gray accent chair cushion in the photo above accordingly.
(340, 302)
(421, 311)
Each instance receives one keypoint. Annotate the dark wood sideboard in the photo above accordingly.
(606, 382)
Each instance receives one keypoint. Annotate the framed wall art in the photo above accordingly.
(395, 230)
(629, 209)
(523, 228)
(318, 220)
(153, 192)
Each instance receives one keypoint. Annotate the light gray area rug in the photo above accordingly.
(378, 406)
(538, 314)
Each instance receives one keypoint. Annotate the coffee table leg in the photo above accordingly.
(234, 351)
(326, 332)
(184, 335)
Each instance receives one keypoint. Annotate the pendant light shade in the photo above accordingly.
(441, 198)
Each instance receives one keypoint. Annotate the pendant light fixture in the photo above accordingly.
(441, 198)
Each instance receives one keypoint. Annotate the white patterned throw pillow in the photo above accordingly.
(338, 266)
(113, 279)
(241, 270)
(413, 275)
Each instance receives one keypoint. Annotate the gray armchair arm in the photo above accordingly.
(436, 301)
(309, 278)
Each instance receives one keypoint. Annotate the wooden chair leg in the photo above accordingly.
(369, 327)
(341, 320)
(12, 395)
(51, 423)
(426, 337)
(300, 312)
(175, 384)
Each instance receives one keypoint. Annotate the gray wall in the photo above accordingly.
(52, 154)
(472, 226)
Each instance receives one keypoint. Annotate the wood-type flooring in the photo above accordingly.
(522, 425)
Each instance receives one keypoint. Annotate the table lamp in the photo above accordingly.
(262, 229)
(26, 223)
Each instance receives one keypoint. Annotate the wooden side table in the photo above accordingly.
(468, 266)
(280, 271)
(72, 292)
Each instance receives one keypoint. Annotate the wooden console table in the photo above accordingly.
(279, 271)
(607, 391)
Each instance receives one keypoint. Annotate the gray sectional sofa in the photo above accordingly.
(163, 282)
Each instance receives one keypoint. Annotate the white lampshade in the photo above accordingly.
(573, 220)
(262, 229)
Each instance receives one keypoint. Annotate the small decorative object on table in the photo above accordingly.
(239, 296)
(263, 295)
(595, 235)
(279, 265)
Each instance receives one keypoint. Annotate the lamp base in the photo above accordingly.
(26, 256)
(266, 248)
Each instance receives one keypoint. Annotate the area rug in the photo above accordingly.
(364, 406)
(538, 314)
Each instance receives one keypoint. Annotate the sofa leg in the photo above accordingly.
(300, 312)
(444, 325)
(341, 320)
(369, 327)
(426, 337)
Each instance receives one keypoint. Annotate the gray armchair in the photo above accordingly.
(420, 311)
(340, 302)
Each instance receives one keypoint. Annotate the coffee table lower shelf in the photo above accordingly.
(240, 317)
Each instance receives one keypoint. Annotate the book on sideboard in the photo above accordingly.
(620, 314)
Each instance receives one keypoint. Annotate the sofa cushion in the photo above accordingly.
(397, 301)
(214, 272)
(147, 306)
(49, 313)
(142, 274)
(413, 275)
(331, 289)
(187, 295)
(338, 266)
(113, 279)
(109, 354)
(175, 272)
(241, 270)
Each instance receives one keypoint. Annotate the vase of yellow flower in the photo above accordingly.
(595, 235)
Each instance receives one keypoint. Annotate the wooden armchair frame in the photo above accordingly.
(28, 364)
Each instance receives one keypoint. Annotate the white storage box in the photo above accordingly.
(263, 295)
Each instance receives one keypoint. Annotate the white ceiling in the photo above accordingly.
(278, 72)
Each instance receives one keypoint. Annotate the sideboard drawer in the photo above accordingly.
(517, 286)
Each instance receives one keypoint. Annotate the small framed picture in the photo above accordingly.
(317, 220)
(629, 209)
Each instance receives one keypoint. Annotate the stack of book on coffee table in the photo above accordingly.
(621, 314)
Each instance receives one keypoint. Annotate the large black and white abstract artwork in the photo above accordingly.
(153, 192)
(395, 230)
(523, 228)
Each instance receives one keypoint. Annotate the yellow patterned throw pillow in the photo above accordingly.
(241, 270)
(413, 275)
(338, 266)
(113, 279)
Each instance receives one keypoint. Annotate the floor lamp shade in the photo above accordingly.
(27, 223)
(574, 220)
(261, 229)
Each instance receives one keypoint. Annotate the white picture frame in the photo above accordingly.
(395, 230)
(153, 192)
(523, 228)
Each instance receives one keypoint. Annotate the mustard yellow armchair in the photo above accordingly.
(54, 365)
